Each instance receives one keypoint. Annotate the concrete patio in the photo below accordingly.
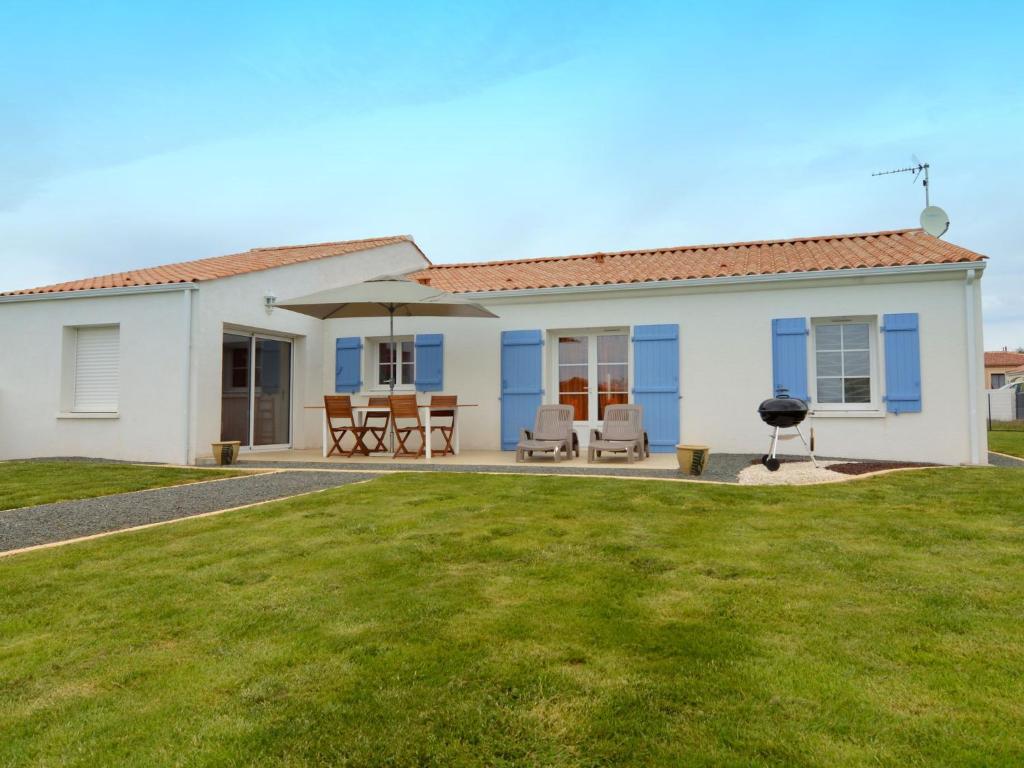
(663, 466)
(657, 461)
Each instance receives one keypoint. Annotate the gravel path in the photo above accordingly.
(48, 523)
(999, 460)
(723, 468)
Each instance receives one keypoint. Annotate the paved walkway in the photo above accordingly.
(49, 523)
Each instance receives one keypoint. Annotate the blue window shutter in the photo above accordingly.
(521, 383)
(430, 362)
(656, 383)
(789, 357)
(348, 354)
(902, 363)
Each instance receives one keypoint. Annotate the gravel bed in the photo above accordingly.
(790, 473)
(47, 523)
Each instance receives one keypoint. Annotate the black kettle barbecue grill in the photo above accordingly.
(784, 412)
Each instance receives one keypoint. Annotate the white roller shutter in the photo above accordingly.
(96, 369)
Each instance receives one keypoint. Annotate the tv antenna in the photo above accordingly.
(934, 220)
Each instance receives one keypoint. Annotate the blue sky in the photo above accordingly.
(142, 133)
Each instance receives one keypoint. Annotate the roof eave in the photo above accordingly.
(395, 240)
(93, 292)
(823, 274)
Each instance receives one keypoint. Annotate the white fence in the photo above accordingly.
(1002, 405)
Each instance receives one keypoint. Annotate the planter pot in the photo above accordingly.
(226, 452)
(693, 459)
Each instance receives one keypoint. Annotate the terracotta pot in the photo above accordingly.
(226, 452)
(693, 459)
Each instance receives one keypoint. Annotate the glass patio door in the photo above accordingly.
(593, 372)
(256, 378)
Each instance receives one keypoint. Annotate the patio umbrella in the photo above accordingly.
(388, 296)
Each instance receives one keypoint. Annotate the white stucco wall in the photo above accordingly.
(725, 358)
(158, 356)
(149, 425)
(236, 303)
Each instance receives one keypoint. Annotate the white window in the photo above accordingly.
(96, 369)
(389, 362)
(845, 368)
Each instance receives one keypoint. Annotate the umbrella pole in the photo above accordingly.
(394, 370)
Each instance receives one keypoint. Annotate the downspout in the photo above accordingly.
(972, 365)
(188, 375)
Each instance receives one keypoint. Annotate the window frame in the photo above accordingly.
(874, 364)
(252, 338)
(992, 380)
(70, 407)
(593, 383)
(373, 344)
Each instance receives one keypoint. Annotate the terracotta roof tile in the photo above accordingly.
(1003, 359)
(806, 254)
(215, 267)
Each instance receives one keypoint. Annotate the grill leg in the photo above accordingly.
(770, 462)
(810, 452)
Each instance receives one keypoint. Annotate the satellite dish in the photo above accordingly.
(934, 221)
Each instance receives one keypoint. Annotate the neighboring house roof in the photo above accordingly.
(1003, 359)
(216, 267)
(805, 254)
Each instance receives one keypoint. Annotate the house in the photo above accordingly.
(880, 332)
(155, 364)
(1015, 376)
(1000, 365)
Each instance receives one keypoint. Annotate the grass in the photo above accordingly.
(24, 483)
(1008, 439)
(457, 620)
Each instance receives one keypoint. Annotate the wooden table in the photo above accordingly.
(360, 411)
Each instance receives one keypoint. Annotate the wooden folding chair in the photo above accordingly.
(376, 430)
(340, 407)
(405, 407)
(447, 430)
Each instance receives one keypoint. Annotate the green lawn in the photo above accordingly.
(458, 620)
(1009, 441)
(23, 483)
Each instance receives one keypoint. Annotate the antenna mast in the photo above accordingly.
(916, 170)
(934, 220)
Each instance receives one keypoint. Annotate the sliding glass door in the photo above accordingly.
(236, 376)
(272, 402)
(256, 378)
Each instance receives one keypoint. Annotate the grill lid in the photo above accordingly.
(782, 411)
(782, 405)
